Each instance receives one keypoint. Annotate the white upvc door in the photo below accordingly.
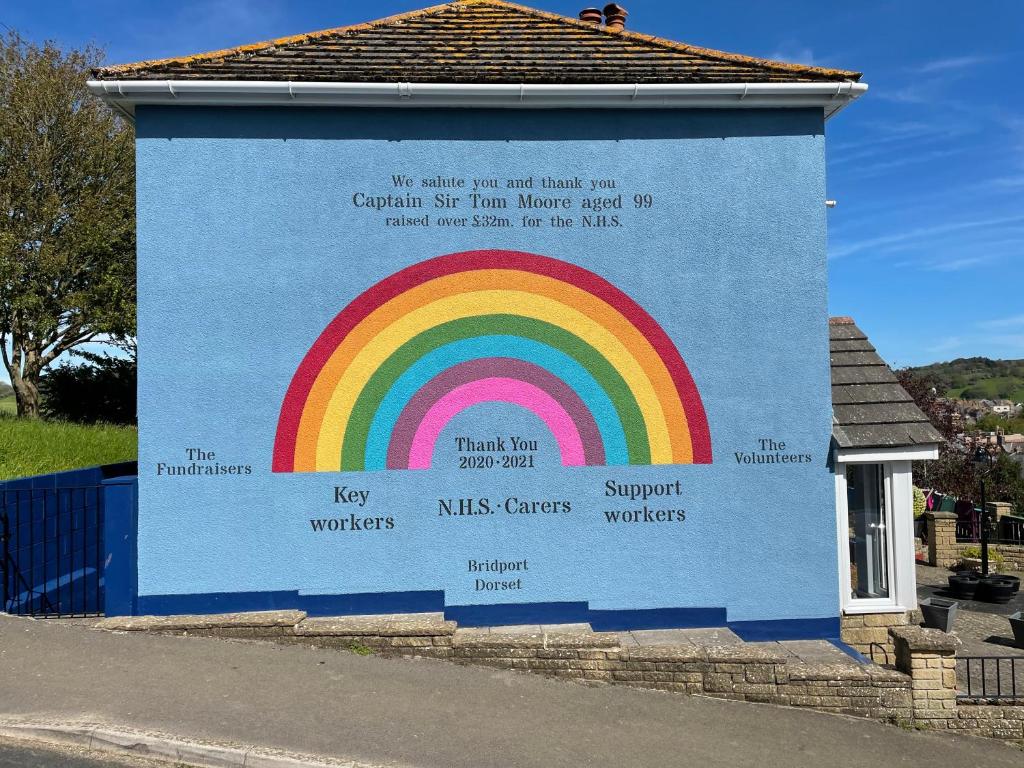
(875, 531)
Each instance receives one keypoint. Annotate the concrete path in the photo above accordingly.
(424, 713)
(24, 754)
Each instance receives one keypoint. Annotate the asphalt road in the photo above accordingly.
(20, 754)
(423, 713)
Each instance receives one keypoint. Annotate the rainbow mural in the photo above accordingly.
(387, 375)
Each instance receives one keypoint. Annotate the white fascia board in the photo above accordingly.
(880, 455)
(125, 94)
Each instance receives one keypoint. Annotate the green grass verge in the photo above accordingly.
(7, 405)
(33, 447)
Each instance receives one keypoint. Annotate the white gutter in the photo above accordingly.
(125, 94)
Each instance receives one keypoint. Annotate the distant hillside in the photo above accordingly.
(5, 390)
(976, 378)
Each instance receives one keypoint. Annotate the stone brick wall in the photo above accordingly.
(1013, 555)
(929, 656)
(942, 551)
(992, 720)
(868, 634)
(744, 673)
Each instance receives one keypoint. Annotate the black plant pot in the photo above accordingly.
(1013, 580)
(939, 613)
(1017, 622)
(963, 586)
(995, 589)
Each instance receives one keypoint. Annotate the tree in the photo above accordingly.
(955, 472)
(924, 389)
(101, 390)
(67, 212)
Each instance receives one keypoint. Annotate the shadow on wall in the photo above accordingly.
(155, 122)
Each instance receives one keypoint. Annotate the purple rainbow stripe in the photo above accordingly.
(497, 390)
(507, 369)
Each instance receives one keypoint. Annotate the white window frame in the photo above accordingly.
(899, 522)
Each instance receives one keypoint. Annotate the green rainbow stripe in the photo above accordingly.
(353, 454)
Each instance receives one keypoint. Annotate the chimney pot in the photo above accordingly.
(615, 17)
(591, 16)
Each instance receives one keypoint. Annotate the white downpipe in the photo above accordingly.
(830, 96)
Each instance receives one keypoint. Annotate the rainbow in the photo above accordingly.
(388, 374)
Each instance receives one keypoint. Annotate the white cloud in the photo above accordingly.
(879, 139)
(873, 169)
(947, 345)
(957, 264)
(1014, 341)
(953, 63)
(1003, 322)
(793, 55)
(930, 80)
(918, 233)
(1006, 181)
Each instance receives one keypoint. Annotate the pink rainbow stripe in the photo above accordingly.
(503, 390)
(490, 367)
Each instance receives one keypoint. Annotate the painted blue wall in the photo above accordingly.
(249, 245)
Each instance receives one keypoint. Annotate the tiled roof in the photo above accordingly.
(869, 407)
(475, 41)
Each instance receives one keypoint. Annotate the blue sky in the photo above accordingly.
(926, 246)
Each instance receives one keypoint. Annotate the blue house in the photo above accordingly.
(519, 317)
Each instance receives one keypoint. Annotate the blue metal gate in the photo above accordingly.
(51, 542)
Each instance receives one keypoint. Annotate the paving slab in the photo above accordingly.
(524, 629)
(558, 628)
(813, 651)
(202, 621)
(715, 637)
(473, 631)
(661, 637)
(712, 636)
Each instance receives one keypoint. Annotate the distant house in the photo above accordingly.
(1013, 443)
(1003, 408)
(484, 290)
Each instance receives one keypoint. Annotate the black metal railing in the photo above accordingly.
(968, 527)
(51, 550)
(990, 678)
(1008, 530)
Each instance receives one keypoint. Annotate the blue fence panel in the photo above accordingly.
(52, 542)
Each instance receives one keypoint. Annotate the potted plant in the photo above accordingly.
(1017, 623)
(1015, 580)
(970, 558)
(995, 589)
(963, 584)
(939, 613)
